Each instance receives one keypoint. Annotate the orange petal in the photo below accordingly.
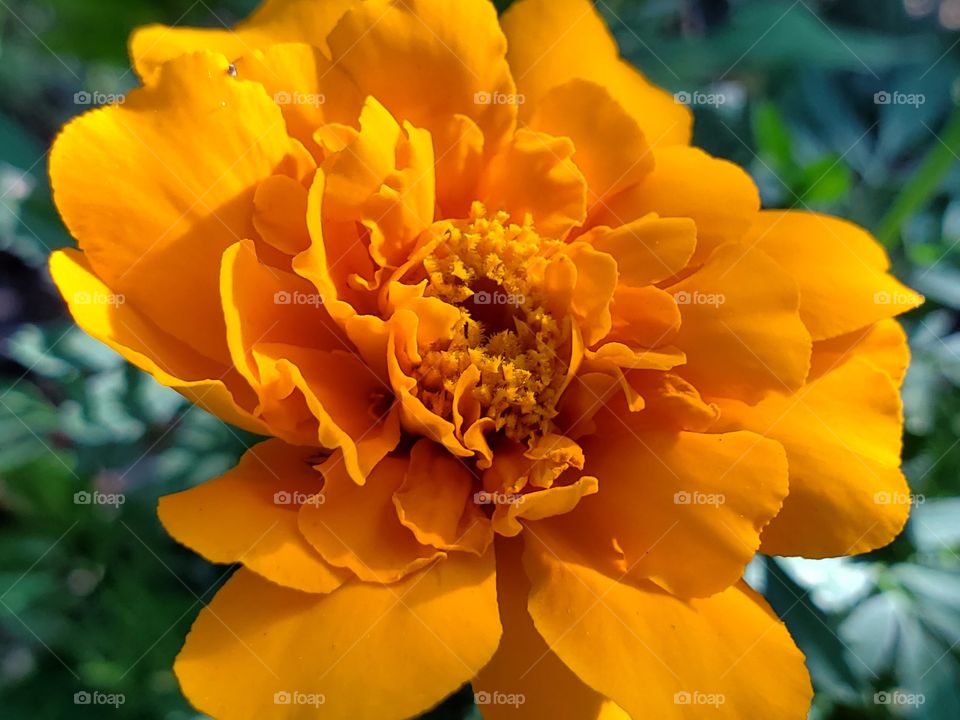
(524, 667)
(258, 648)
(884, 344)
(611, 161)
(727, 656)
(842, 437)
(419, 60)
(436, 502)
(189, 153)
(557, 500)
(740, 326)
(687, 183)
(593, 292)
(275, 21)
(841, 271)
(310, 90)
(336, 255)
(357, 526)
(266, 490)
(352, 407)
(280, 214)
(554, 41)
(267, 305)
(535, 175)
(644, 316)
(217, 388)
(647, 250)
(685, 508)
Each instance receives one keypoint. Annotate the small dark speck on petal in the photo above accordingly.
(232, 70)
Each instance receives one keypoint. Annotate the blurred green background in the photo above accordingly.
(847, 107)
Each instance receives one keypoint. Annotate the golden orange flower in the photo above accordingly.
(540, 378)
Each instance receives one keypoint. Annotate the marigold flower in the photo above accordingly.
(539, 377)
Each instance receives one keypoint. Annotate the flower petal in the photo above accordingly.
(310, 90)
(646, 317)
(729, 652)
(257, 644)
(266, 490)
(554, 41)
(357, 526)
(436, 502)
(276, 21)
(352, 407)
(217, 388)
(840, 269)
(648, 249)
(687, 183)
(156, 189)
(557, 500)
(611, 161)
(884, 344)
(842, 437)
(535, 174)
(685, 508)
(524, 667)
(740, 326)
(417, 58)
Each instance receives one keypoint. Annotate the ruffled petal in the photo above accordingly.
(258, 648)
(357, 526)
(685, 508)
(156, 189)
(266, 490)
(884, 344)
(649, 249)
(717, 195)
(217, 388)
(436, 502)
(842, 437)
(740, 326)
(428, 60)
(275, 21)
(840, 269)
(610, 161)
(554, 41)
(524, 669)
(310, 90)
(727, 656)
(535, 175)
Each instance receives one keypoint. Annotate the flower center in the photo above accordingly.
(492, 270)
